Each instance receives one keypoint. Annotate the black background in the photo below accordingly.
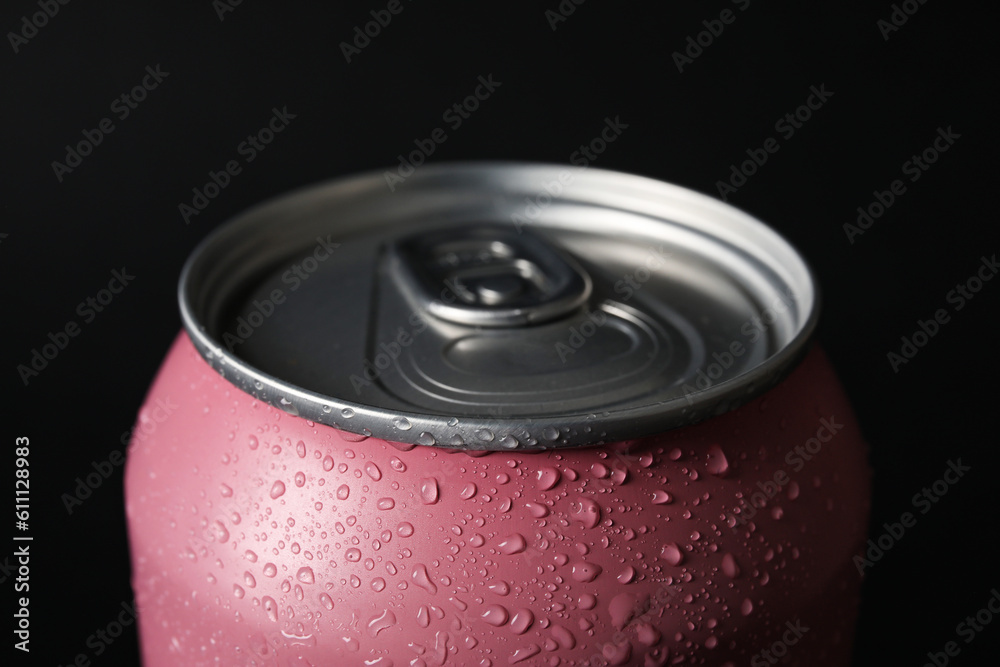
(119, 208)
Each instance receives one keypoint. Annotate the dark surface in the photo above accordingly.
(119, 208)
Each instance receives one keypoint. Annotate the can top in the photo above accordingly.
(499, 305)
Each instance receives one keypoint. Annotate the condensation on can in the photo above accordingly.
(422, 428)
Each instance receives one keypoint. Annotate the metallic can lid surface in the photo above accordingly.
(499, 305)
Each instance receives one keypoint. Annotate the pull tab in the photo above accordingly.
(488, 276)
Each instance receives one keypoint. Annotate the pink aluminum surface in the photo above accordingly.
(259, 538)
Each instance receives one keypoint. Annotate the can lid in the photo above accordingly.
(499, 305)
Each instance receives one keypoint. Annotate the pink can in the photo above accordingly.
(507, 414)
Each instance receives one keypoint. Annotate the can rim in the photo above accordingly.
(494, 432)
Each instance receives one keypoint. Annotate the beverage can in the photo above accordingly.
(504, 414)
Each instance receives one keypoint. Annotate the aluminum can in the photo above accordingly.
(507, 414)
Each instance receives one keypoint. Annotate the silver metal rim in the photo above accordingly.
(497, 433)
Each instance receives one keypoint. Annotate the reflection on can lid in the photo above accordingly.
(499, 306)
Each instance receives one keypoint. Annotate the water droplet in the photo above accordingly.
(586, 511)
(623, 608)
(422, 579)
(747, 607)
(661, 497)
(380, 622)
(288, 407)
(238, 591)
(793, 490)
(249, 580)
(672, 554)
(468, 491)
(730, 567)
(617, 654)
(397, 465)
(219, 532)
(547, 478)
(386, 503)
(649, 636)
(328, 463)
(521, 621)
(300, 449)
(563, 637)
(305, 575)
(353, 554)
(378, 584)
(500, 588)
(404, 529)
(343, 491)
(270, 608)
(619, 475)
(453, 421)
(627, 575)
(278, 489)
(429, 491)
(523, 653)
(225, 490)
(599, 470)
(585, 572)
(373, 471)
(326, 600)
(347, 413)
(537, 510)
(253, 442)
(513, 544)
(300, 479)
(588, 601)
(509, 442)
(550, 433)
(495, 615)
(426, 438)
(348, 436)
(718, 465)
(270, 570)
